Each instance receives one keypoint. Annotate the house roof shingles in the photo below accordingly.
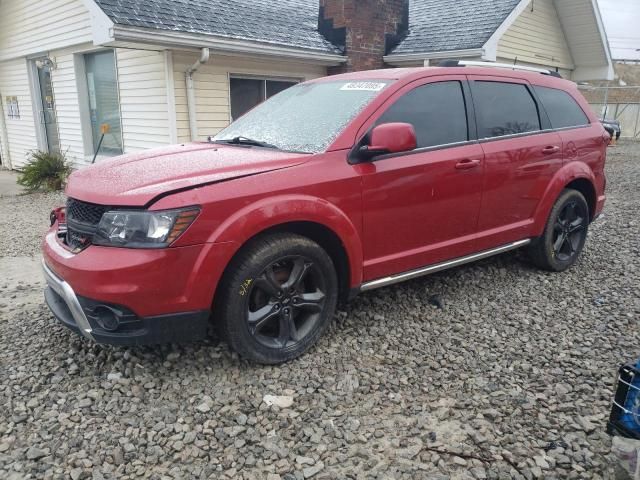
(288, 23)
(434, 25)
(443, 25)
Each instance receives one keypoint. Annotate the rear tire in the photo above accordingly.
(277, 298)
(564, 235)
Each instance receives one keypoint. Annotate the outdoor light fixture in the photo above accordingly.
(46, 62)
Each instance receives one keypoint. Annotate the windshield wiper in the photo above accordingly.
(246, 141)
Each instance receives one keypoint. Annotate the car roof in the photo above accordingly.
(409, 74)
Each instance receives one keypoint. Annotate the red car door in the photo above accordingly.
(522, 154)
(422, 207)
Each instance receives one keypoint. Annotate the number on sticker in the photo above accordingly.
(364, 86)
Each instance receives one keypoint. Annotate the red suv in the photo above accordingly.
(330, 188)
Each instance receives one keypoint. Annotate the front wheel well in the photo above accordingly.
(323, 236)
(585, 187)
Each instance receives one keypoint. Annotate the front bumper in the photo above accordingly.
(64, 304)
(81, 316)
(156, 295)
(149, 282)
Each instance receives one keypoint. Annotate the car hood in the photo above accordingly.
(136, 179)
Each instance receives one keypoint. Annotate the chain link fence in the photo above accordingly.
(616, 103)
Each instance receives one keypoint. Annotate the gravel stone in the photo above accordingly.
(75, 474)
(35, 453)
(282, 401)
(310, 472)
(514, 375)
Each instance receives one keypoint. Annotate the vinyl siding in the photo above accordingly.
(34, 26)
(212, 87)
(536, 37)
(143, 99)
(21, 134)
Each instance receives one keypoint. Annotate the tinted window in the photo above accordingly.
(562, 109)
(504, 109)
(437, 112)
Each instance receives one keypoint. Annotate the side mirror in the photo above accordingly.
(390, 138)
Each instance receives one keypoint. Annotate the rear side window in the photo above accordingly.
(504, 109)
(562, 108)
(436, 111)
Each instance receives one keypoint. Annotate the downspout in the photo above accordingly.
(191, 93)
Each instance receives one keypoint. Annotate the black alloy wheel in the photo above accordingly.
(285, 302)
(568, 231)
(277, 297)
(564, 235)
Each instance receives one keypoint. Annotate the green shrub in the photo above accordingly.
(48, 171)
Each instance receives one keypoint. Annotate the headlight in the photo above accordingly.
(143, 229)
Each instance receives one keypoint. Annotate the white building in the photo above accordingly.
(167, 71)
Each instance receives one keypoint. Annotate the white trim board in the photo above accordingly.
(101, 24)
(222, 46)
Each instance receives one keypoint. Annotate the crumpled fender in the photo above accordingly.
(567, 174)
(273, 211)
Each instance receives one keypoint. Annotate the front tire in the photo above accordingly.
(277, 298)
(564, 235)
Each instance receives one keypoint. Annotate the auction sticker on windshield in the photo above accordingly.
(364, 86)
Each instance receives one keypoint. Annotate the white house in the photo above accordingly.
(167, 71)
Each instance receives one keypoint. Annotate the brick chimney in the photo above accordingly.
(365, 29)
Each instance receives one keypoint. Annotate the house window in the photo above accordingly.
(103, 102)
(247, 92)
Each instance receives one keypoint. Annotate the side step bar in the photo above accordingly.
(438, 267)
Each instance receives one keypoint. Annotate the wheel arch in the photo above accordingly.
(588, 191)
(311, 217)
(323, 236)
(575, 175)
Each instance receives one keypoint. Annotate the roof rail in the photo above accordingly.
(470, 63)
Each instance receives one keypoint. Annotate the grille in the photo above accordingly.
(82, 222)
(84, 212)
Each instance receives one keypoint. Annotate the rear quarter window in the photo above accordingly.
(562, 108)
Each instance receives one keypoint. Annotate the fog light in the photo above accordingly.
(107, 318)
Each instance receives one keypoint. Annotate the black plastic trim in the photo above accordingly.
(472, 123)
(174, 327)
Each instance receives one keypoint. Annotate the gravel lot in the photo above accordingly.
(511, 378)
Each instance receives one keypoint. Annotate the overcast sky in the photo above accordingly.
(622, 21)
